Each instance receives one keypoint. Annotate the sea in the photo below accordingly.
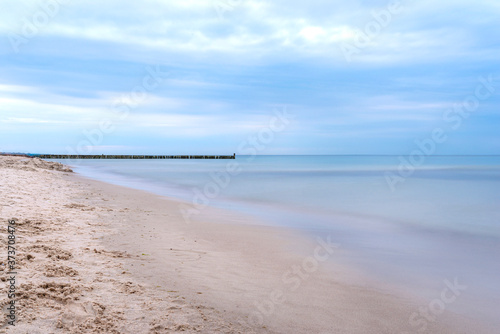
(413, 223)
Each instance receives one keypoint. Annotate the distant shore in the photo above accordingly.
(97, 258)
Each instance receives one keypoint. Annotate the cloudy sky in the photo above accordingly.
(204, 76)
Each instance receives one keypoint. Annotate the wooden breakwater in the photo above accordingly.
(107, 156)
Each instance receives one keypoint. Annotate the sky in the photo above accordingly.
(229, 76)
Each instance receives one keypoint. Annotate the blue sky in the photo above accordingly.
(227, 66)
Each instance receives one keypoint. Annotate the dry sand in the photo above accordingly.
(98, 258)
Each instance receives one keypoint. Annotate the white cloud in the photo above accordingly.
(18, 89)
(183, 125)
(313, 34)
(261, 52)
(256, 27)
(13, 120)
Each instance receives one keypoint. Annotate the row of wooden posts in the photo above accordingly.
(103, 156)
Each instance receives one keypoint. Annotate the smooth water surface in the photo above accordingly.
(412, 227)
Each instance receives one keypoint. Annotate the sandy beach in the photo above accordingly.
(93, 257)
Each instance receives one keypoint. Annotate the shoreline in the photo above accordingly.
(160, 275)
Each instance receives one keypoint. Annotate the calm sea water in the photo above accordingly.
(411, 228)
